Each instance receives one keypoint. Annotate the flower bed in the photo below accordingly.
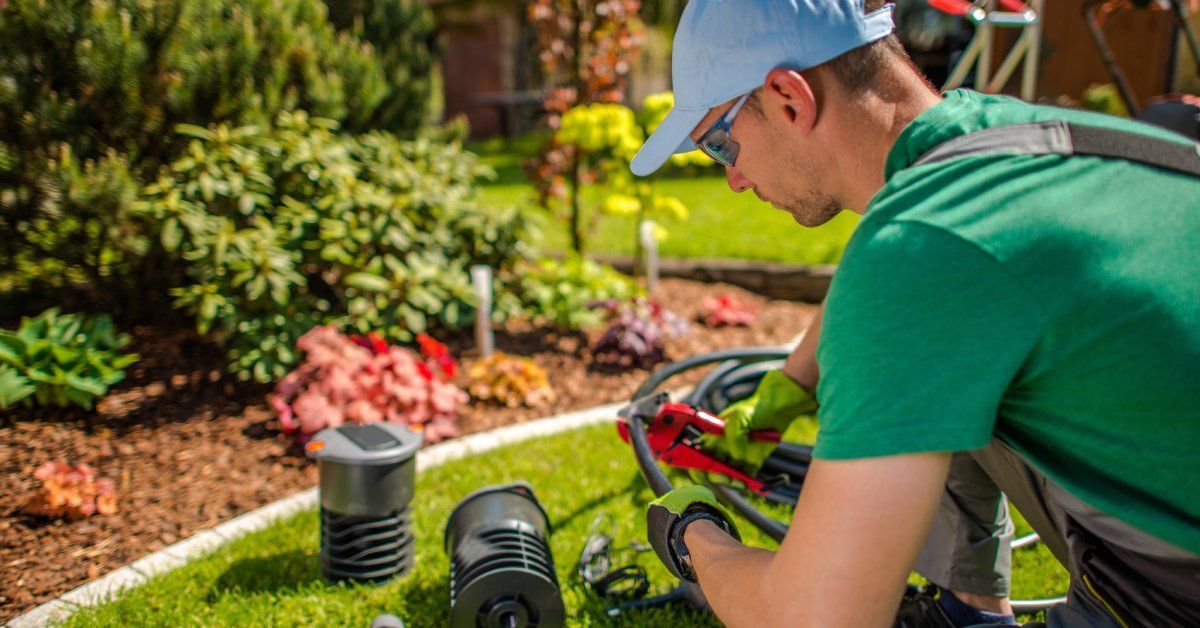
(188, 446)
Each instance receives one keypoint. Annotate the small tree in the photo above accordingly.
(586, 49)
(606, 137)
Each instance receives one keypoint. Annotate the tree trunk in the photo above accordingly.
(639, 252)
(578, 158)
(577, 168)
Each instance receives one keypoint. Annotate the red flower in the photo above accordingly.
(726, 310)
(425, 371)
(439, 353)
(377, 344)
(431, 348)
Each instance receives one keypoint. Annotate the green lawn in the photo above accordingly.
(721, 225)
(272, 577)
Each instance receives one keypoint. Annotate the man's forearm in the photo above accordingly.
(857, 530)
(734, 577)
(801, 365)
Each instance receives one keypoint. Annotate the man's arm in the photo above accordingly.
(801, 365)
(855, 535)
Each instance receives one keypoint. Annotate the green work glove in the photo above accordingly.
(668, 516)
(775, 405)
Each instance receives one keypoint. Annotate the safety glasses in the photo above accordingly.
(716, 142)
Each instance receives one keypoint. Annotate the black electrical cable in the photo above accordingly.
(713, 393)
(734, 499)
(595, 566)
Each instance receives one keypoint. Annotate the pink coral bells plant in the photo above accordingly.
(71, 492)
(364, 380)
(727, 310)
(371, 341)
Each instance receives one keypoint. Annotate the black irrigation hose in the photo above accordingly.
(641, 449)
(734, 499)
(713, 393)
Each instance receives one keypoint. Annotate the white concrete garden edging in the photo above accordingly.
(137, 573)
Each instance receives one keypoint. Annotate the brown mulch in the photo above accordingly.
(189, 447)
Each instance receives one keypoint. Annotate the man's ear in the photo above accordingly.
(790, 93)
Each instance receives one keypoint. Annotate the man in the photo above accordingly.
(1001, 316)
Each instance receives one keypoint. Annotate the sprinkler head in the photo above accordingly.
(501, 571)
(387, 621)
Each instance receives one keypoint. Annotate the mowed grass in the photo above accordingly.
(273, 578)
(721, 224)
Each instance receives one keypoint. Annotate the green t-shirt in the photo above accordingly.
(1051, 301)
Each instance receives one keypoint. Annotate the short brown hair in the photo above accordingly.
(857, 69)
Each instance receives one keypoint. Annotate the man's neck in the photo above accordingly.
(875, 122)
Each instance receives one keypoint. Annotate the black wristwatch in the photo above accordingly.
(679, 550)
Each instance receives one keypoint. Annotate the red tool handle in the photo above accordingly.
(952, 7)
(962, 7)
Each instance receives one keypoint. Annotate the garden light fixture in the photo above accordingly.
(367, 482)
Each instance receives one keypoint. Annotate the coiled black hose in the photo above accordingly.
(735, 377)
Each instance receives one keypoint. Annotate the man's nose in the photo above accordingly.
(737, 181)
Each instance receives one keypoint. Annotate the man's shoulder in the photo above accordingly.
(963, 112)
(972, 112)
(1006, 202)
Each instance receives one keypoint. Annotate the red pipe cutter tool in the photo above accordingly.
(674, 430)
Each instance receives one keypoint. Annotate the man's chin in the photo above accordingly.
(806, 218)
(806, 214)
(809, 220)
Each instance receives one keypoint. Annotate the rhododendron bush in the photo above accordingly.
(71, 492)
(364, 380)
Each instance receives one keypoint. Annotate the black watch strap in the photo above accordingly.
(679, 550)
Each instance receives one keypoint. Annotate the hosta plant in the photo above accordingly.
(71, 492)
(365, 380)
(636, 332)
(727, 310)
(510, 380)
(61, 359)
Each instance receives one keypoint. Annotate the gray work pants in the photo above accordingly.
(1119, 574)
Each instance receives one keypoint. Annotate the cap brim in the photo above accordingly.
(672, 136)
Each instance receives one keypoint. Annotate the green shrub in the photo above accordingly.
(56, 359)
(83, 232)
(402, 33)
(566, 293)
(283, 228)
(120, 74)
(91, 91)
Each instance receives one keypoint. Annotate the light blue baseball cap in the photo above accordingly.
(725, 48)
